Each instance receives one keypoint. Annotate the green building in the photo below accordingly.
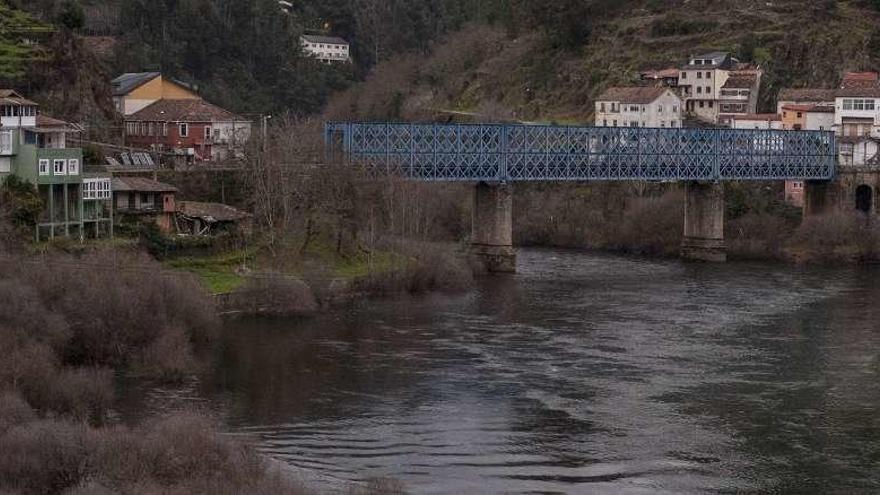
(33, 147)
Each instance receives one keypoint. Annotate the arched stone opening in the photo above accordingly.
(865, 199)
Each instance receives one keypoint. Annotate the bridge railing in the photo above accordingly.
(503, 152)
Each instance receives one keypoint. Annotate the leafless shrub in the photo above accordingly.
(758, 236)
(651, 225)
(14, 411)
(424, 267)
(839, 236)
(82, 393)
(275, 294)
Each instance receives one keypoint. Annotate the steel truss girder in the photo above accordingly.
(509, 153)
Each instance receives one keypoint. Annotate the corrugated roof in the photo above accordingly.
(140, 184)
(807, 94)
(211, 212)
(809, 108)
(633, 94)
(184, 111)
(46, 121)
(128, 82)
(12, 97)
(333, 40)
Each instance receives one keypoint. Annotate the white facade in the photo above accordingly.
(229, 139)
(857, 116)
(663, 111)
(819, 121)
(748, 122)
(326, 49)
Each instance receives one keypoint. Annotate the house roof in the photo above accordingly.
(741, 81)
(809, 108)
(333, 40)
(869, 91)
(860, 80)
(11, 97)
(140, 184)
(46, 121)
(757, 116)
(660, 74)
(195, 110)
(130, 81)
(717, 58)
(632, 94)
(807, 94)
(211, 212)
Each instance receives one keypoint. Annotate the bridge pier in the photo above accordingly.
(704, 222)
(492, 229)
(816, 197)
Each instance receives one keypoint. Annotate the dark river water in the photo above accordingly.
(583, 373)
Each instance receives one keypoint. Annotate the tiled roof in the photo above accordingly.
(807, 94)
(211, 212)
(183, 111)
(128, 82)
(860, 80)
(11, 97)
(633, 94)
(869, 92)
(757, 116)
(140, 184)
(809, 108)
(333, 40)
(741, 81)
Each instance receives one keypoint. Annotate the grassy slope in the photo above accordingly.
(482, 69)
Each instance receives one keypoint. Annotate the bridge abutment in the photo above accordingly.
(492, 229)
(704, 222)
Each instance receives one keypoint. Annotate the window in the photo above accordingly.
(165, 129)
(73, 166)
(699, 90)
(708, 89)
(602, 107)
(615, 123)
(659, 108)
(699, 75)
(59, 167)
(633, 124)
(151, 129)
(605, 123)
(711, 104)
(702, 104)
(800, 115)
(675, 109)
(44, 166)
(684, 75)
(143, 128)
(708, 75)
(183, 129)
(207, 133)
(662, 123)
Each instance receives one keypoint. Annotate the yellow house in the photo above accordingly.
(134, 91)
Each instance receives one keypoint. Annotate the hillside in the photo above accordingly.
(502, 73)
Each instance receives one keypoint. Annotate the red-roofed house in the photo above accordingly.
(191, 128)
(860, 80)
(638, 107)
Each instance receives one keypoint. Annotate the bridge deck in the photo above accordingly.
(505, 153)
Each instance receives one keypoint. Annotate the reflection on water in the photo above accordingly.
(583, 373)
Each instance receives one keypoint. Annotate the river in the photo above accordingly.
(583, 373)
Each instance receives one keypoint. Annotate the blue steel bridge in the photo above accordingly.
(519, 152)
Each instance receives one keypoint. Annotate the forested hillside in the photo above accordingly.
(504, 58)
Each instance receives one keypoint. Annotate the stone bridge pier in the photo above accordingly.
(704, 222)
(492, 228)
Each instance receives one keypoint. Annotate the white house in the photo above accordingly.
(638, 107)
(772, 121)
(857, 112)
(327, 49)
(715, 86)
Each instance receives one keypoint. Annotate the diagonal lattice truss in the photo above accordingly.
(502, 152)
